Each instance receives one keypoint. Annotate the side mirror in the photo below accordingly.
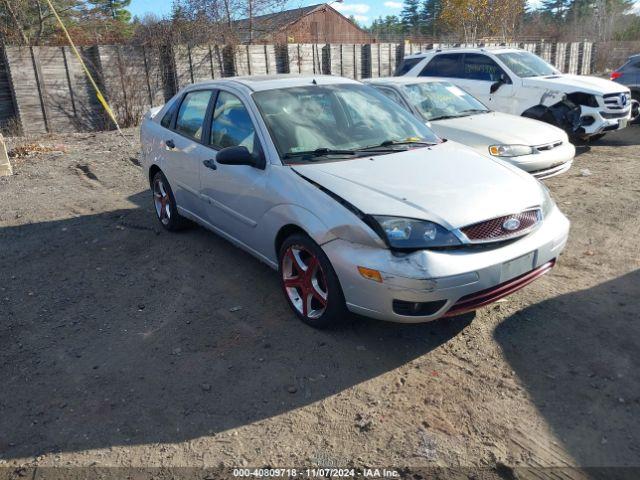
(239, 156)
(501, 81)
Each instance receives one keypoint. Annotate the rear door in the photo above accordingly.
(185, 151)
(445, 65)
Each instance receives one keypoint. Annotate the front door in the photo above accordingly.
(479, 74)
(234, 196)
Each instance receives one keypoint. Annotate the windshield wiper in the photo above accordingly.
(443, 117)
(471, 111)
(393, 143)
(461, 113)
(318, 152)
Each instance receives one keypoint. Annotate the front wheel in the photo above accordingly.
(635, 108)
(310, 283)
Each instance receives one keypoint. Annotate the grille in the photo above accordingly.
(614, 115)
(612, 101)
(548, 146)
(494, 230)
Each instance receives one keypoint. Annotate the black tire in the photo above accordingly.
(313, 313)
(164, 204)
(636, 97)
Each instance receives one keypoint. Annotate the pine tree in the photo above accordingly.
(111, 9)
(555, 9)
(430, 13)
(410, 16)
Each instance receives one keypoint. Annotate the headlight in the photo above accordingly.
(547, 201)
(510, 150)
(411, 233)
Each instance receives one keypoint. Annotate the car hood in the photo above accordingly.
(575, 83)
(448, 183)
(491, 128)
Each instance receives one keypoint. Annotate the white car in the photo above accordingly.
(356, 202)
(536, 147)
(521, 83)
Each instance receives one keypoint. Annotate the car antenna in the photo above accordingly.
(314, 81)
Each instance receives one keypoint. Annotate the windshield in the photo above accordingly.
(338, 120)
(526, 64)
(439, 100)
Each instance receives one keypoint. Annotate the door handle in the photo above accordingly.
(210, 164)
(170, 144)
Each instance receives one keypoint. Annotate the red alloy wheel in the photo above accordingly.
(304, 281)
(161, 201)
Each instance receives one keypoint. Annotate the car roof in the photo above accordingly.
(499, 49)
(404, 80)
(272, 82)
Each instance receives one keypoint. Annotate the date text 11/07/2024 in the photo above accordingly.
(315, 473)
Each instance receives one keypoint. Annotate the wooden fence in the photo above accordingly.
(44, 89)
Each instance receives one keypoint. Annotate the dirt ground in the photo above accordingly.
(124, 345)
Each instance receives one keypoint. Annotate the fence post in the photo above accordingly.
(69, 84)
(40, 86)
(146, 74)
(8, 108)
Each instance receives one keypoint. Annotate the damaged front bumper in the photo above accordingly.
(594, 120)
(425, 285)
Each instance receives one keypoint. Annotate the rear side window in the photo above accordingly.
(444, 65)
(166, 120)
(192, 112)
(406, 65)
(481, 67)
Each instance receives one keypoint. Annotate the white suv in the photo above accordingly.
(516, 81)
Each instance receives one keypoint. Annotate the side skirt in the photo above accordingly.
(201, 221)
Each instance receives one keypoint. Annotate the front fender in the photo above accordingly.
(289, 214)
(340, 224)
(564, 114)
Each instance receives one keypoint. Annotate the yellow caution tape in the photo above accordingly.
(99, 95)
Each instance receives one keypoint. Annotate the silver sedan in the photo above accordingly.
(357, 203)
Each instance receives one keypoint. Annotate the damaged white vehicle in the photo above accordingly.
(356, 202)
(521, 83)
(536, 147)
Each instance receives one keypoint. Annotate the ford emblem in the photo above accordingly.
(511, 224)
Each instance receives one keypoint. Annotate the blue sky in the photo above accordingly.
(364, 10)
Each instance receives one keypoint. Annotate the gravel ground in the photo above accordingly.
(124, 345)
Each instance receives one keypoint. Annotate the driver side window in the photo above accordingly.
(481, 67)
(231, 125)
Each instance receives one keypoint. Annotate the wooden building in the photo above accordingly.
(313, 24)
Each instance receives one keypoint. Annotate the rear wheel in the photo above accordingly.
(309, 283)
(165, 204)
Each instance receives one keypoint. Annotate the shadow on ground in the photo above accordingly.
(580, 353)
(114, 332)
(625, 137)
